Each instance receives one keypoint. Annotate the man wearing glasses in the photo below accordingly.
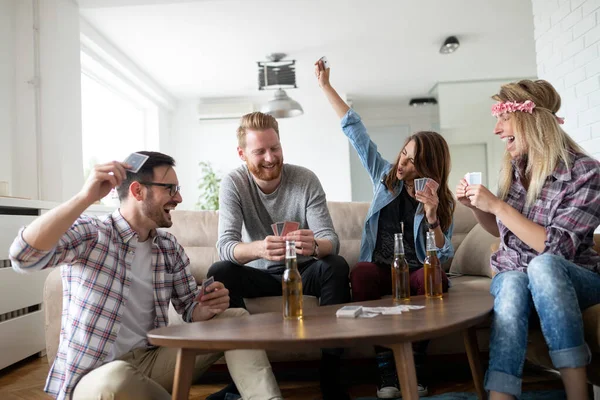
(119, 274)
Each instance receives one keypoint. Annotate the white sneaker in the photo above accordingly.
(393, 392)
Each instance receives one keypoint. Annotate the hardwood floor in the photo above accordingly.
(26, 379)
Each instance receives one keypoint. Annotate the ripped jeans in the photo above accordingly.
(559, 290)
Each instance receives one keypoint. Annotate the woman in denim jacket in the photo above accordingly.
(396, 207)
(545, 215)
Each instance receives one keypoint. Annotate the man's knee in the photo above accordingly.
(221, 270)
(338, 266)
(109, 381)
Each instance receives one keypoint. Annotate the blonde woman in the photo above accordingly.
(545, 215)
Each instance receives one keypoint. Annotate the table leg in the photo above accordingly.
(472, 347)
(184, 369)
(405, 366)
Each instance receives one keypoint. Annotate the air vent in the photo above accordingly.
(276, 73)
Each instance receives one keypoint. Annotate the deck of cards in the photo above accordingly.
(325, 62)
(283, 228)
(422, 182)
(473, 178)
(349, 312)
(136, 160)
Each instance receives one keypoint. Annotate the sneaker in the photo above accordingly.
(393, 392)
(388, 387)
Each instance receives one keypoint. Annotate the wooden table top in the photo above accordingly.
(320, 327)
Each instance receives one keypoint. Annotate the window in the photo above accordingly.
(116, 118)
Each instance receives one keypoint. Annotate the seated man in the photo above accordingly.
(266, 191)
(119, 275)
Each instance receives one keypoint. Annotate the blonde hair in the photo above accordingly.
(547, 143)
(255, 121)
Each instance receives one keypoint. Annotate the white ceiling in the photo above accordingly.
(378, 49)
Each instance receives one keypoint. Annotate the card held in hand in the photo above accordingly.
(205, 284)
(136, 160)
(289, 226)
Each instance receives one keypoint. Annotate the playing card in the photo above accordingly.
(136, 160)
(433, 184)
(280, 226)
(325, 62)
(205, 283)
(420, 184)
(274, 227)
(474, 178)
(289, 226)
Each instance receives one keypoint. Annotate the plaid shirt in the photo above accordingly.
(568, 207)
(95, 258)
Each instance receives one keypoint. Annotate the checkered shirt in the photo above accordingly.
(568, 207)
(95, 256)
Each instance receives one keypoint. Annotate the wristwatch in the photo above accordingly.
(315, 253)
(434, 225)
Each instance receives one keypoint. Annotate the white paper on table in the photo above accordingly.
(370, 312)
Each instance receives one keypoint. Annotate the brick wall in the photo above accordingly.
(567, 40)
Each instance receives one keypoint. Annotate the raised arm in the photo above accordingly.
(45, 232)
(339, 105)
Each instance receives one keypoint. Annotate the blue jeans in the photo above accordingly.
(559, 290)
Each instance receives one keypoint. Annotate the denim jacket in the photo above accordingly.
(378, 168)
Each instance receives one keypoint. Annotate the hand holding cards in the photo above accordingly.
(325, 62)
(136, 160)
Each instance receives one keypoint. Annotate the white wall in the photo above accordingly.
(567, 36)
(313, 140)
(59, 100)
(7, 86)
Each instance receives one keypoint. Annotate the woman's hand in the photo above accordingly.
(430, 201)
(461, 195)
(322, 74)
(480, 197)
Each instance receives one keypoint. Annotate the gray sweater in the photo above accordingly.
(246, 213)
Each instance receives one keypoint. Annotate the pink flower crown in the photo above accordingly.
(512, 106)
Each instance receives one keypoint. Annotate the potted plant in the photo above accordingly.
(209, 188)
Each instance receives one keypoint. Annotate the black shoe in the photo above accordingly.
(329, 378)
(222, 394)
(388, 387)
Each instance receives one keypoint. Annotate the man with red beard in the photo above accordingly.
(119, 275)
(264, 191)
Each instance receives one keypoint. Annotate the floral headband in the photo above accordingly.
(512, 106)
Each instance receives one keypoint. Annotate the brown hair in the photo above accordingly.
(547, 143)
(432, 160)
(255, 121)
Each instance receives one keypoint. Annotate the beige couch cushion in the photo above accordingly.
(473, 256)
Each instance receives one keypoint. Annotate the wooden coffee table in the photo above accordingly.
(321, 329)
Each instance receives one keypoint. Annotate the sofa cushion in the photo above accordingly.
(473, 255)
(348, 221)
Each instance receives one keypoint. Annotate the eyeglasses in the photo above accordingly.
(173, 188)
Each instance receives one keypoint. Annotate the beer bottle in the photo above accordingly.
(400, 272)
(432, 269)
(291, 284)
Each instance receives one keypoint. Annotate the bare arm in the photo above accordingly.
(339, 105)
(45, 232)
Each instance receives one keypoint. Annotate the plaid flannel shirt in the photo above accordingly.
(95, 258)
(568, 207)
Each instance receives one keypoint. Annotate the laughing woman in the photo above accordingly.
(397, 207)
(545, 215)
